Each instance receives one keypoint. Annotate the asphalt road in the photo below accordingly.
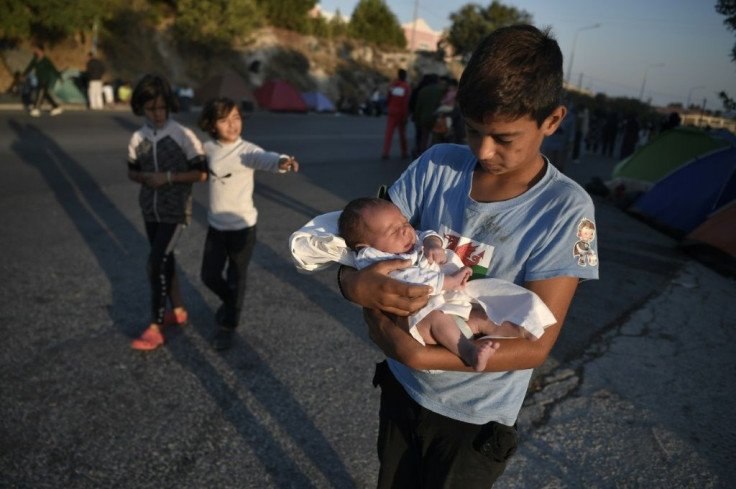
(637, 392)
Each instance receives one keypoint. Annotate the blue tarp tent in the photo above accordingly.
(318, 102)
(682, 200)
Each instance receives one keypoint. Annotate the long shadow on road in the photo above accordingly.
(106, 232)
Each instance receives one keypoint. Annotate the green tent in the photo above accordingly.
(666, 153)
(66, 89)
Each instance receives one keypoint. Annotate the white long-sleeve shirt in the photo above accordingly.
(231, 169)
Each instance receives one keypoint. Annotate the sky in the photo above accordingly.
(677, 50)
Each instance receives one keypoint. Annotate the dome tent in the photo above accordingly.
(281, 96)
(318, 102)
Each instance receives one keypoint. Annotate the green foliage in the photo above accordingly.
(289, 14)
(334, 28)
(728, 103)
(472, 23)
(374, 22)
(728, 8)
(216, 23)
(50, 20)
(338, 27)
(16, 19)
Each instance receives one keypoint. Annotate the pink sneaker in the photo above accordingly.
(171, 318)
(149, 340)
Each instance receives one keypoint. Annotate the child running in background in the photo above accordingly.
(231, 214)
(376, 230)
(165, 158)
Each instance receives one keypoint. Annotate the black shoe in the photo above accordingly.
(223, 339)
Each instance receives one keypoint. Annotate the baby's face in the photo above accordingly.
(386, 229)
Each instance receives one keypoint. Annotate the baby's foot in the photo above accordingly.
(483, 352)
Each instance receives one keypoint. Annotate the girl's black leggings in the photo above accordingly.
(161, 266)
(225, 263)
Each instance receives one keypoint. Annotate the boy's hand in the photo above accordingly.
(372, 288)
(289, 164)
(433, 250)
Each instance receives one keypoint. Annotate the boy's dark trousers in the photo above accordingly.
(420, 449)
(44, 93)
(233, 249)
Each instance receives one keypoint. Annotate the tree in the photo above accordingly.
(374, 22)
(216, 22)
(289, 14)
(472, 23)
(728, 8)
(50, 20)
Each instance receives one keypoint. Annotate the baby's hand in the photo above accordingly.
(457, 280)
(433, 250)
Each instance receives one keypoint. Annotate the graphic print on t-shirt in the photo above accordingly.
(582, 249)
(473, 254)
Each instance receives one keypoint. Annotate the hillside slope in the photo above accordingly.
(341, 68)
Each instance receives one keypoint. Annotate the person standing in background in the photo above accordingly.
(398, 111)
(95, 70)
(610, 131)
(428, 99)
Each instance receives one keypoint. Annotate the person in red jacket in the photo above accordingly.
(398, 103)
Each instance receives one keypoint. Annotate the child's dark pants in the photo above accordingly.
(228, 252)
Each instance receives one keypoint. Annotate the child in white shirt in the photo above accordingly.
(231, 237)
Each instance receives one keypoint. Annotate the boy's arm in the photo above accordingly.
(514, 354)
(31, 65)
(372, 288)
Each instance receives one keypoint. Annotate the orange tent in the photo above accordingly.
(714, 241)
(280, 95)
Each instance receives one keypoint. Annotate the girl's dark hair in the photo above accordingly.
(214, 110)
(149, 88)
(350, 223)
(514, 72)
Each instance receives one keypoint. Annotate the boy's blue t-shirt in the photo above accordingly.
(547, 232)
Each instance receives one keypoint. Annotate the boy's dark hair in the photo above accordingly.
(149, 88)
(514, 72)
(214, 110)
(350, 223)
(402, 74)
